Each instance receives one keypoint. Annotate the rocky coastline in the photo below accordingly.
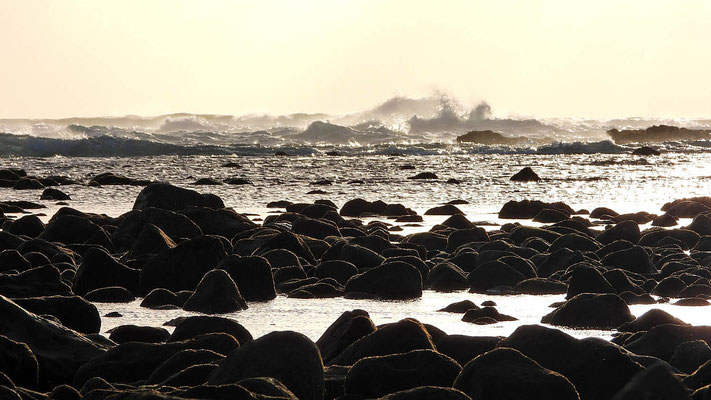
(181, 249)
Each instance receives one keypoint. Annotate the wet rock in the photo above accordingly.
(446, 277)
(701, 224)
(424, 175)
(54, 194)
(540, 286)
(28, 183)
(252, 275)
(377, 376)
(446, 209)
(182, 267)
(426, 393)
(18, 362)
(73, 312)
(28, 225)
(136, 361)
(626, 230)
(460, 307)
(180, 361)
(12, 260)
(653, 236)
(347, 329)
(548, 215)
(59, 351)
(194, 326)
(525, 175)
(207, 182)
(99, 269)
(634, 259)
(339, 270)
(527, 209)
(223, 222)
(216, 294)
(393, 280)
(492, 274)
(654, 382)
(486, 312)
(665, 220)
(691, 302)
(287, 356)
(588, 280)
(39, 281)
(588, 310)
(169, 197)
(645, 151)
(506, 373)
(143, 334)
(175, 226)
(585, 362)
(520, 234)
(161, 299)
(113, 294)
(319, 229)
(286, 241)
(688, 356)
(400, 337)
(109, 178)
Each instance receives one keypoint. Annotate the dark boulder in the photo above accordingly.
(160, 299)
(223, 222)
(195, 326)
(446, 209)
(548, 215)
(655, 382)
(339, 270)
(287, 356)
(348, 328)
(459, 307)
(70, 229)
(586, 362)
(54, 194)
(446, 277)
(252, 275)
(649, 320)
(634, 259)
(377, 376)
(60, 351)
(464, 236)
(588, 280)
(39, 281)
(180, 361)
(169, 197)
(182, 267)
(493, 274)
(427, 393)
(465, 348)
(399, 337)
(135, 361)
(143, 334)
(625, 230)
(539, 286)
(171, 224)
(392, 280)
(661, 341)
(216, 294)
(99, 269)
(18, 363)
(27, 225)
(12, 260)
(688, 356)
(525, 175)
(505, 373)
(73, 312)
(424, 175)
(111, 294)
(645, 151)
(588, 310)
(665, 220)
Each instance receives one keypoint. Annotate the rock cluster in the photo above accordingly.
(179, 248)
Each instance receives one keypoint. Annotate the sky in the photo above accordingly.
(586, 59)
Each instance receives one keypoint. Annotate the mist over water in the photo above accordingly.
(427, 125)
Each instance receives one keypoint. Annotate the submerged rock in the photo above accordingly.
(525, 175)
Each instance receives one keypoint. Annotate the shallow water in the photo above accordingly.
(581, 180)
(313, 316)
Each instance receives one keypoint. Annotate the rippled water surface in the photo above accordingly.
(623, 182)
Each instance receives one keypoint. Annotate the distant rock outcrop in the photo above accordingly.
(657, 133)
(489, 138)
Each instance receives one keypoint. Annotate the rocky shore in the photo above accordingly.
(180, 249)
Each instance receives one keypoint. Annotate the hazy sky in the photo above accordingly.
(534, 58)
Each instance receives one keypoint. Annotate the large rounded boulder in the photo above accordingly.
(216, 294)
(169, 197)
(287, 356)
(505, 373)
(589, 310)
(391, 280)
